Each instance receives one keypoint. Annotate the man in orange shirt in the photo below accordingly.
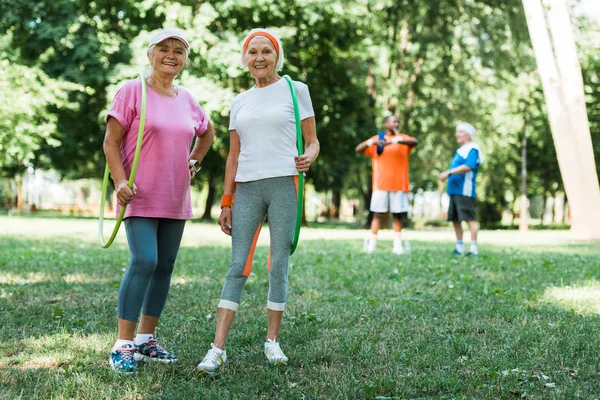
(389, 151)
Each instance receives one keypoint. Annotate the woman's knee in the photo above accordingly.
(143, 264)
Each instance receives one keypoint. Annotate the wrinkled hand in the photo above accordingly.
(302, 163)
(443, 176)
(192, 171)
(225, 220)
(124, 193)
(192, 167)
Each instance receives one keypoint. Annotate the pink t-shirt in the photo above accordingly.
(162, 177)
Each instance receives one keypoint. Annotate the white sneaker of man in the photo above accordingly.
(369, 245)
(397, 248)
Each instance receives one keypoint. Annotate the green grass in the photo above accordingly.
(520, 321)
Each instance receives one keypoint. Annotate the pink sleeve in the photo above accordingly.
(201, 120)
(123, 106)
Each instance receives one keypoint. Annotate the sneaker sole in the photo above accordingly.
(143, 358)
(207, 372)
(277, 362)
(120, 371)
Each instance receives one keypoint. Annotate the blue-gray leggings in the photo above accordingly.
(153, 247)
(276, 198)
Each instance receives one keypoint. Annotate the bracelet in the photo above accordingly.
(370, 142)
(449, 173)
(226, 200)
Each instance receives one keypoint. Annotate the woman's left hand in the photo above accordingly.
(192, 171)
(302, 163)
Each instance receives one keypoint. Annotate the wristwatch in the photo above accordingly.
(195, 164)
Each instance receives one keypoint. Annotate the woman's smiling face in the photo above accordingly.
(168, 56)
(261, 57)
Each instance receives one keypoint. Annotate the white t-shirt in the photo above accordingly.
(264, 120)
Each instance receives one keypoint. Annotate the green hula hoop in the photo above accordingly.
(300, 146)
(136, 158)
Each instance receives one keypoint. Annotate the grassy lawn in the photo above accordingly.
(520, 321)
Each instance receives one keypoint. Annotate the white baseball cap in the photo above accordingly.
(168, 34)
(468, 128)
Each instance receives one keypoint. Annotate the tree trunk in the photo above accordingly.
(19, 194)
(336, 202)
(7, 202)
(304, 221)
(210, 200)
(523, 226)
(563, 90)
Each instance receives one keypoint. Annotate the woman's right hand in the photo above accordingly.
(225, 220)
(124, 193)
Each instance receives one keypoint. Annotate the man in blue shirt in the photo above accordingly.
(461, 187)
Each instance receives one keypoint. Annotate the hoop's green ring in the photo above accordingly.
(299, 144)
(136, 158)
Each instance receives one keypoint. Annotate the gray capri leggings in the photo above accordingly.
(276, 198)
(153, 247)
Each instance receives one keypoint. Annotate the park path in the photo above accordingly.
(209, 233)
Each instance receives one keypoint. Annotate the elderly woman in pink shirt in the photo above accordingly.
(159, 203)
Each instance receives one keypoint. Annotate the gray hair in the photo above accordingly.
(468, 128)
(280, 57)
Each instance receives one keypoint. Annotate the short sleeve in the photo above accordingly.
(473, 159)
(123, 107)
(233, 114)
(304, 101)
(200, 119)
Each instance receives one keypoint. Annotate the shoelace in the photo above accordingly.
(126, 352)
(153, 343)
(212, 355)
(273, 348)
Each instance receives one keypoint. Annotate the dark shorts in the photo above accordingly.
(461, 208)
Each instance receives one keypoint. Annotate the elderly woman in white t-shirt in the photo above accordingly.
(262, 171)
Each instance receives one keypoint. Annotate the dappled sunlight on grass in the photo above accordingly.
(54, 351)
(582, 299)
(8, 278)
(356, 326)
(83, 278)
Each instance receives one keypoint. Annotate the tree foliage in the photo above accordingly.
(434, 63)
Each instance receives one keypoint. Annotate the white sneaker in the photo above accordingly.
(274, 353)
(214, 360)
(398, 249)
(370, 245)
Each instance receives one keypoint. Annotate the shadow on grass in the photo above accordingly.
(357, 326)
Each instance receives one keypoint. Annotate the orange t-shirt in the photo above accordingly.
(390, 168)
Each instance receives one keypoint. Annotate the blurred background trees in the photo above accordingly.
(433, 63)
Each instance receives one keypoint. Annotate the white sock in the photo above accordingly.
(460, 246)
(473, 247)
(121, 343)
(371, 243)
(142, 338)
(397, 242)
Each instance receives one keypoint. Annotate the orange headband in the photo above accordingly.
(265, 34)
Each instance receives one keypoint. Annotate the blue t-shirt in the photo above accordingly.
(464, 184)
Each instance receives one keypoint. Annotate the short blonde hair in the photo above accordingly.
(170, 36)
(256, 32)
